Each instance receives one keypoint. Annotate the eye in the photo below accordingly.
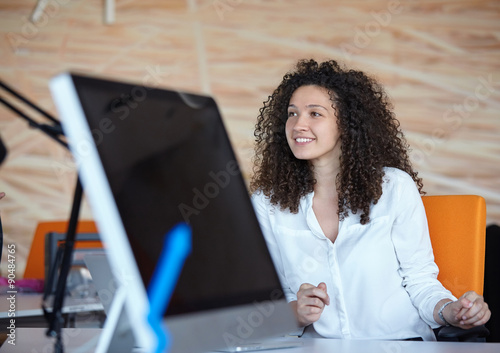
(291, 113)
(315, 114)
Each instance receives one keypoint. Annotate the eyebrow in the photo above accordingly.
(308, 106)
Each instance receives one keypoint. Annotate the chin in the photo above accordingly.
(302, 157)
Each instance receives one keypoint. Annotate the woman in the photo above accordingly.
(339, 204)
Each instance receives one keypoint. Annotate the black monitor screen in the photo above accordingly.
(168, 159)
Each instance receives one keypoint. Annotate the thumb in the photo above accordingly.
(322, 286)
(467, 300)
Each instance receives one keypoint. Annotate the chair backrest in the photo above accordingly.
(35, 264)
(457, 226)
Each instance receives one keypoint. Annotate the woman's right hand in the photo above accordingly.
(311, 301)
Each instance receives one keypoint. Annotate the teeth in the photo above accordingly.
(302, 140)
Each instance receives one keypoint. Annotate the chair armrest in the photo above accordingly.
(452, 333)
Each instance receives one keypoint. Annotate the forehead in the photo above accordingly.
(311, 94)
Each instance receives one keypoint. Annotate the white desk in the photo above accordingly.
(78, 312)
(84, 340)
(75, 340)
(31, 305)
(316, 345)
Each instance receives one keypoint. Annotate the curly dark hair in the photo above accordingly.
(371, 139)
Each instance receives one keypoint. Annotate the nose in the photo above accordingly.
(301, 123)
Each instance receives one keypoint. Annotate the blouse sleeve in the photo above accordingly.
(410, 236)
(261, 207)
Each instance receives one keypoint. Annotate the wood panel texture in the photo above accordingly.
(439, 61)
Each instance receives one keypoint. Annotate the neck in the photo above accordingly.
(326, 176)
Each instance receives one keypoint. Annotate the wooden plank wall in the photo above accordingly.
(439, 60)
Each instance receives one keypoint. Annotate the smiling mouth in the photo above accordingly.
(303, 140)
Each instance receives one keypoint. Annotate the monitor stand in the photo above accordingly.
(117, 335)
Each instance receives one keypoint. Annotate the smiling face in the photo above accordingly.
(311, 128)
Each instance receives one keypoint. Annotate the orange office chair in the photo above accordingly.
(457, 227)
(35, 264)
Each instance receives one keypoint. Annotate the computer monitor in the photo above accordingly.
(148, 159)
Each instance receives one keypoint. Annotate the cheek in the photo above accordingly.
(290, 125)
(288, 134)
(288, 128)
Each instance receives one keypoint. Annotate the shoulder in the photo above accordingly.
(260, 200)
(262, 203)
(398, 184)
(258, 196)
(396, 176)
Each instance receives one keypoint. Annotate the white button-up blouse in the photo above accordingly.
(381, 277)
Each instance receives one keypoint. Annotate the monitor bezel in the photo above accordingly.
(104, 209)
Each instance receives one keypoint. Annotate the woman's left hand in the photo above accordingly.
(468, 311)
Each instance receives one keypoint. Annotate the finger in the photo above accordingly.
(461, 314)
(471, 295)
(305, 286)
(322, 286)
(321, 294)
(476, 308)
(315, 294)
(314, 302)
(305, 290)
(475, 314)
(311, 310)
(466, 302)
(310, 296)
(471, 309)
(2, 194)
(484, 320)
(476, 321)
(468, 297)
(308, 290)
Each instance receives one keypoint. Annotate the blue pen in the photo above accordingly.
(176, 248)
